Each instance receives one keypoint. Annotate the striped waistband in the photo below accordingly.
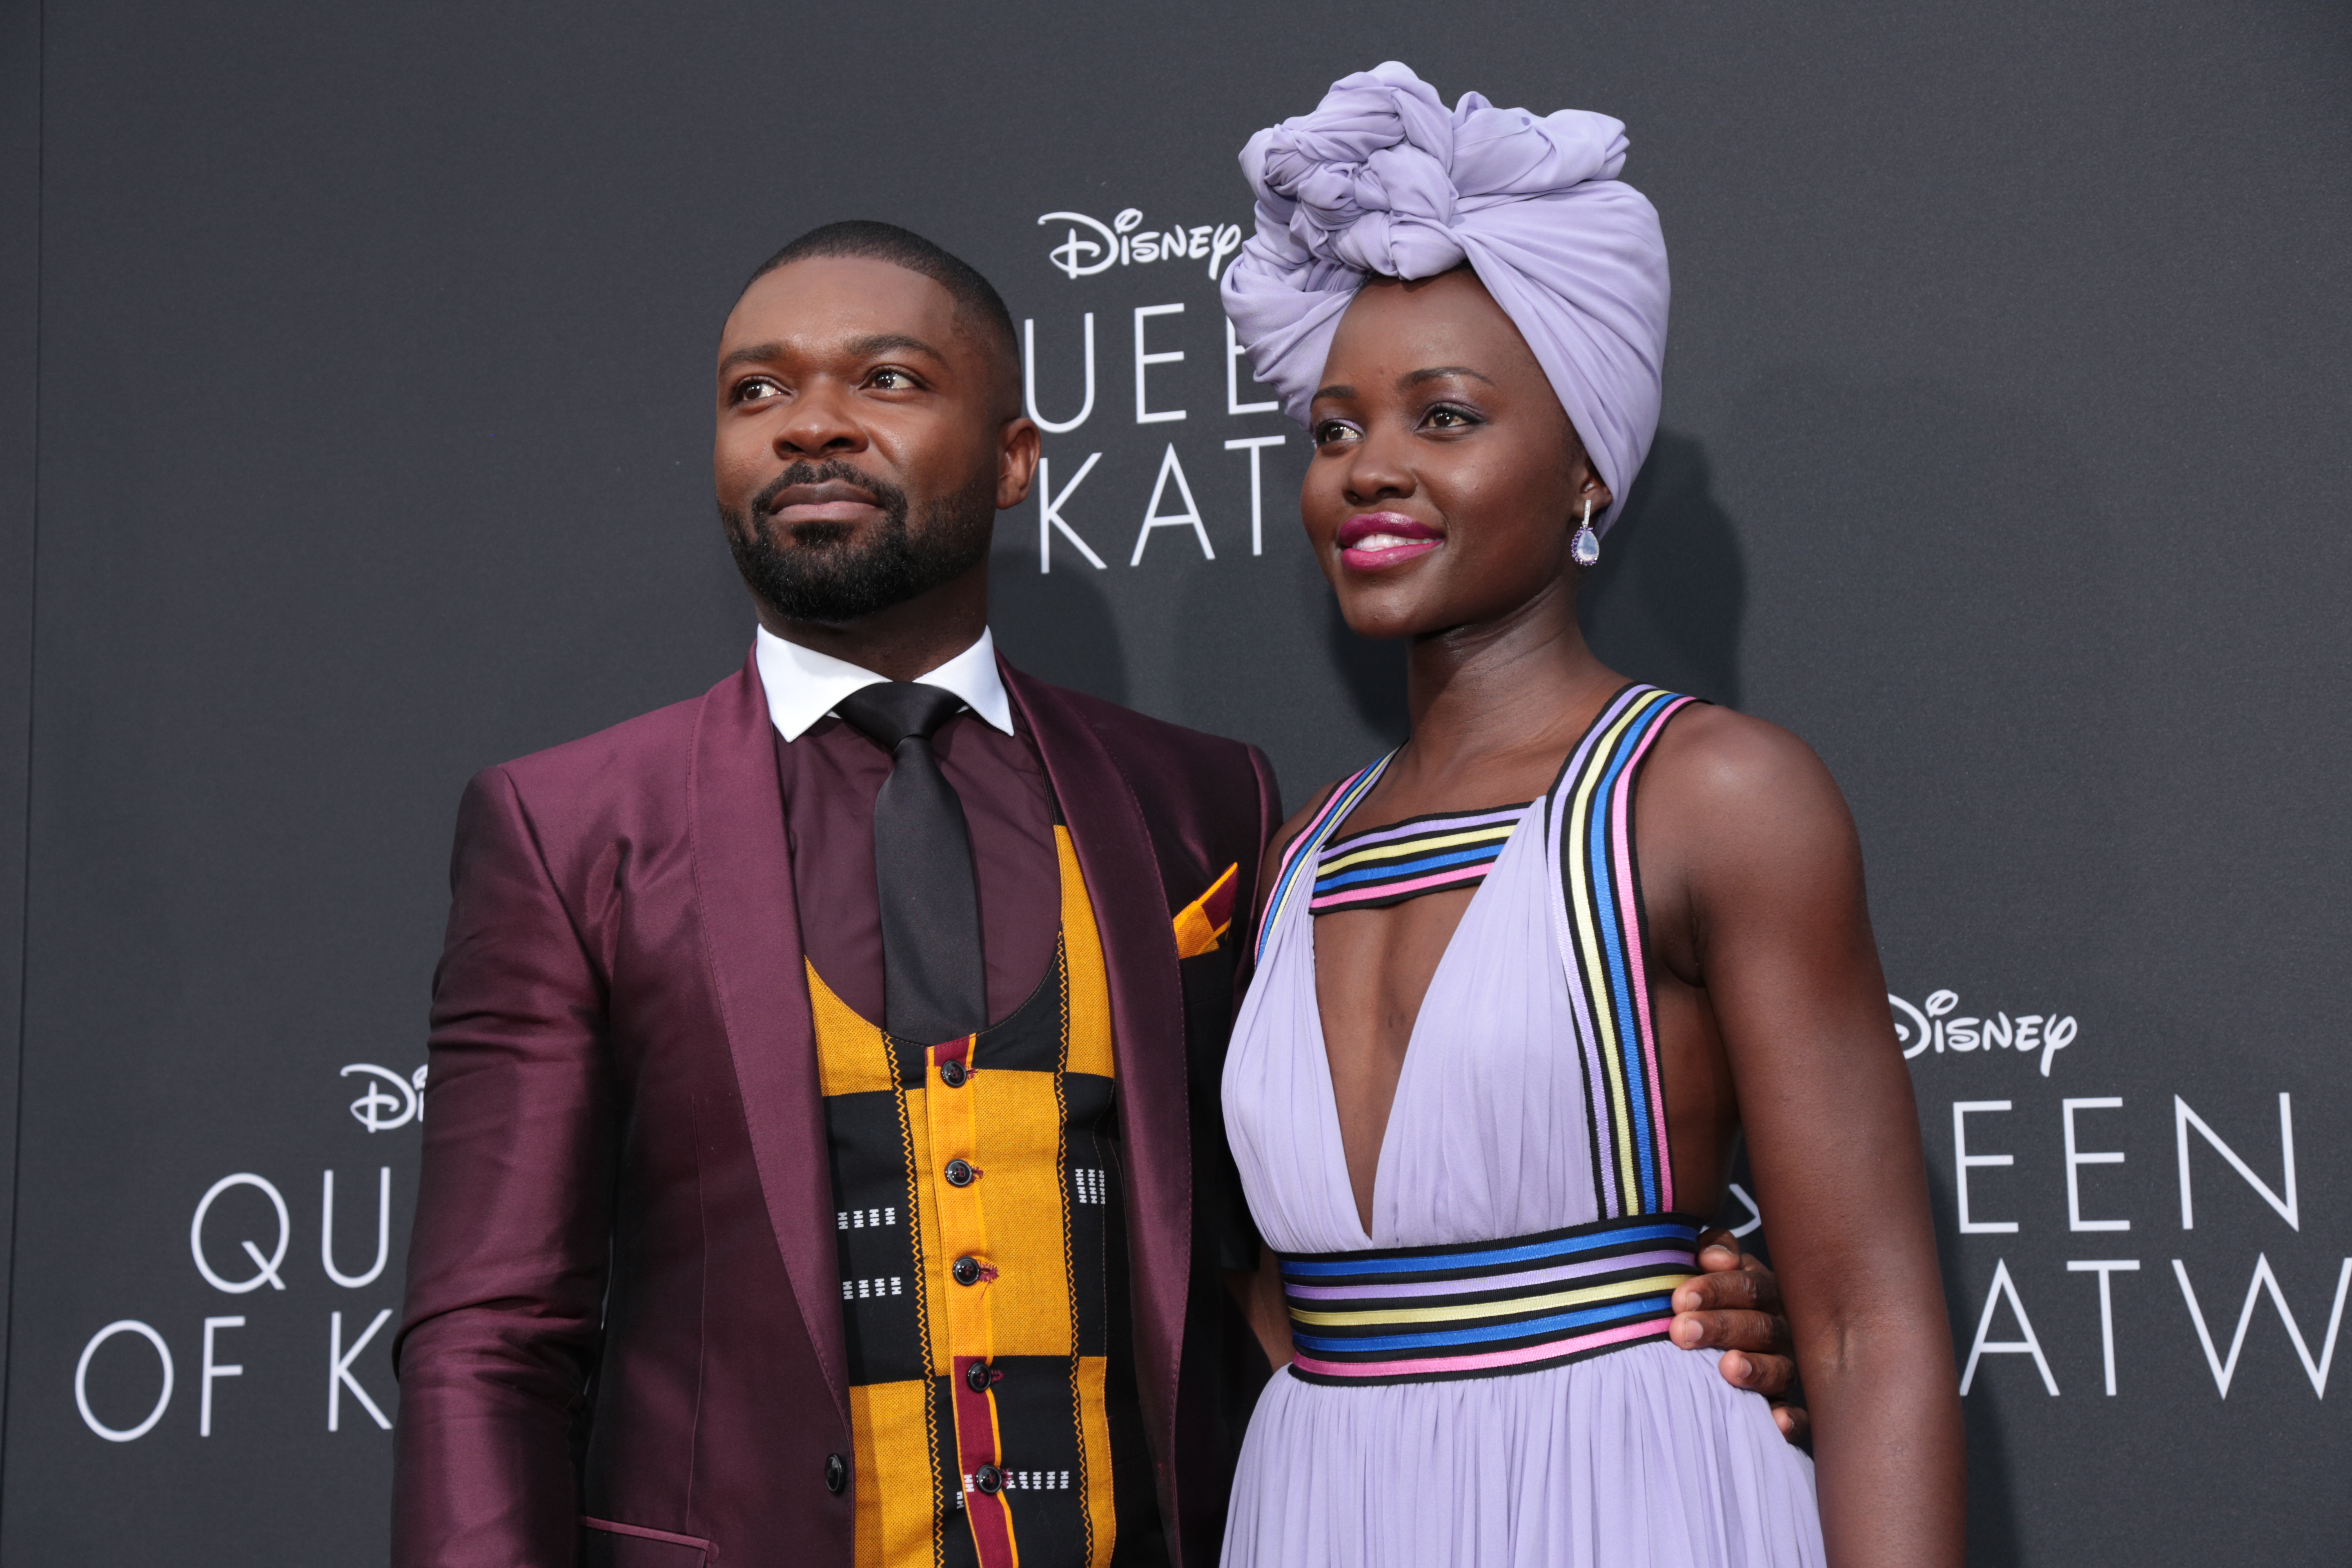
(1485, 1309)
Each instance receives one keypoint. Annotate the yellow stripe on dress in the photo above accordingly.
(1616, 1290)
(1405, 849)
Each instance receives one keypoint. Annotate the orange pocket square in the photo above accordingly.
(1202, 923)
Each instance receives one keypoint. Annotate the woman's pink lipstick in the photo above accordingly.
(1373, 540)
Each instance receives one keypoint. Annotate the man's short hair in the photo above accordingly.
(976, 302)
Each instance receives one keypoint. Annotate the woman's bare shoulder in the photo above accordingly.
(1725, 749)
(1737, 781)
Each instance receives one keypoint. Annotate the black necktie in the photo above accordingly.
(933, 986)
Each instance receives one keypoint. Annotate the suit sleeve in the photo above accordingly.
(507, 1263)
(1269, 822)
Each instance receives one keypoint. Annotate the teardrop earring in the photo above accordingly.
(1585, 548)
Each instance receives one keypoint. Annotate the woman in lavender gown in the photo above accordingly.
(1521, 983)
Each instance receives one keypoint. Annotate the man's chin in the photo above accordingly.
(831, 586)
(787, 538)
(835, 573)
(818, 538)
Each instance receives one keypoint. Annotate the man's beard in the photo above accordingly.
(823, 578)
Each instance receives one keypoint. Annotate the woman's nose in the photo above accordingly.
(1374, 473)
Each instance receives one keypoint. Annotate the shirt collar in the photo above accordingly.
(803, 685)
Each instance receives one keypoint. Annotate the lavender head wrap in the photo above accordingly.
(1384, 179)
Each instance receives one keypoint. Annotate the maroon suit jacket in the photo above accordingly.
(622, 1341)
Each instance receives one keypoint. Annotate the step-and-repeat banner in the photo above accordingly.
(2003, 460)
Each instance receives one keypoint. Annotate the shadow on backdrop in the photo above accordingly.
(1373, 673)
(1055, 625)
(1665, 604)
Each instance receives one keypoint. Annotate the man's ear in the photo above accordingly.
(1016, 461)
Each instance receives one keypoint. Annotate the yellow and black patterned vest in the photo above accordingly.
(983, 1269)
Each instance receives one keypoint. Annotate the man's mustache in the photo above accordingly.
(888, 497)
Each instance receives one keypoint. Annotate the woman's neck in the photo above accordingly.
(1522, 682)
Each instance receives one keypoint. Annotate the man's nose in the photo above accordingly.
(820, 420)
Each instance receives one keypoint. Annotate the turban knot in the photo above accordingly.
(1383, 180)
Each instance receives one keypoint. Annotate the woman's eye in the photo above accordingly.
(1329, 430)
(1446, 418)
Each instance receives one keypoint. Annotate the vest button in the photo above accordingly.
(836, 1474)
(966, 1271)
(977, 1375)
(952, 1074)
(989, 1480)
(959, 1174)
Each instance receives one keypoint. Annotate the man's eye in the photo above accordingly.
(1327, 431)
(755, 389)
(890, 378)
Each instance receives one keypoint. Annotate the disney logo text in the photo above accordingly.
(1919, 1028)
(381, 1110)
(1116, 243)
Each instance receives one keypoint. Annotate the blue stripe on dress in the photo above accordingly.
(1408, 867)
(1381, 1263)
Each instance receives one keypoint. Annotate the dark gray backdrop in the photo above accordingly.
(2004, 459)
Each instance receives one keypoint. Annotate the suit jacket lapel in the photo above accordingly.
(1146, 1007)
(751, 931)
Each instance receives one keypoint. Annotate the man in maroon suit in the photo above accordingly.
(823, 1163)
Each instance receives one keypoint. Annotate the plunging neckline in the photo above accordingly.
(1311, 855)
(1413, 1034)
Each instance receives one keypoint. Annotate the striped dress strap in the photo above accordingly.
(1597, 920)
(1298, 859)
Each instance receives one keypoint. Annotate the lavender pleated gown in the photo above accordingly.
(1641, 1457)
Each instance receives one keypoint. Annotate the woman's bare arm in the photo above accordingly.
(1765, 853)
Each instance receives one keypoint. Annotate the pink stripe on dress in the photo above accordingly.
(1434, 1365)
(1398, 890)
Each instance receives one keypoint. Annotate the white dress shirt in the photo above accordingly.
(803, 685)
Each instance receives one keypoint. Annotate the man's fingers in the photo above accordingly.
(1719, 1292)
(1796, 1424)
(1736, 1331)
(1717, 1250)
(1769, 1375)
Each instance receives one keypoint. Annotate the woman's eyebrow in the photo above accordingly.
(1438, 373)
(1334, 390)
